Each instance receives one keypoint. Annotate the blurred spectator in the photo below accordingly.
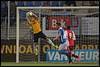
(54, 3)
(86, 3)
(28, 3)
(19, 3)
(62, 3)
(12, 8)
(4, 11)
(79, 3)
(94, 3)
(70, 3)
(45, 3)
(37, 3)
(12, 12)
(4, 8)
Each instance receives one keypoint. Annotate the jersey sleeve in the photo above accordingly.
(66, 33)
(59, 31)
(74, 37)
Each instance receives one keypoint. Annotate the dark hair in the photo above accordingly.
(59, 24)
(68, 27)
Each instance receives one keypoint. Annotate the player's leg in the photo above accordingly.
(68, 54)
(73, 54)
(35, 45)
(42, 35)
(66, 47)
(50, 42)
(63, 49)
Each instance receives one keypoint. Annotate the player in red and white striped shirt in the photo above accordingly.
(71, 37)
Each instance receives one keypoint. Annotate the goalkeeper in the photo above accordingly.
(34, 24)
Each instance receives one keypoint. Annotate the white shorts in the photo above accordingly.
(64, 46)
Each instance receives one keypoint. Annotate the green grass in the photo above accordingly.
(46, 64)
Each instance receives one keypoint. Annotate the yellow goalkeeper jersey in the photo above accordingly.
(36, 26)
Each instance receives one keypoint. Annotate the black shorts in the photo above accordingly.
(39, 35)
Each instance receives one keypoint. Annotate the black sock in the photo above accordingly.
(74, 55)
(69, 57)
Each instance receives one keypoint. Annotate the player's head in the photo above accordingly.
(68, 27)
(31, 15)
(58, 24)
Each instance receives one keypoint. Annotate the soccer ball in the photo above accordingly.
(29, 14)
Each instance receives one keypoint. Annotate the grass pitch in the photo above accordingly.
(46, 64)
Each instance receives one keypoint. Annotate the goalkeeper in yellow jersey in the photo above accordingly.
(34, 24)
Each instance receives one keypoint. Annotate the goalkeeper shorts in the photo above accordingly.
(39, 35)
